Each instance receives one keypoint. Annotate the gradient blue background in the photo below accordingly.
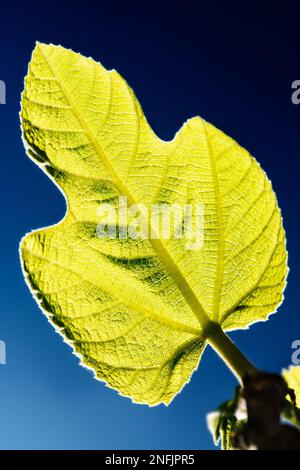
(232, 67)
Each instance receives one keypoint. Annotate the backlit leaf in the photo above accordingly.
(134, 309)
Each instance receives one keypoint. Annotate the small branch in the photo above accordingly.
(265, 396)
(258, 416)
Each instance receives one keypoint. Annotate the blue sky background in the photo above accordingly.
(232, 67)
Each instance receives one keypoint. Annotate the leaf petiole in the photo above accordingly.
(228, 351)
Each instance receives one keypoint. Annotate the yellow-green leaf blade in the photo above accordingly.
(134, 309)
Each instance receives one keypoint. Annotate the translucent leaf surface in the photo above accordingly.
(134, 309)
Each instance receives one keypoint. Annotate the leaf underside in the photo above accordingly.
(132, 309)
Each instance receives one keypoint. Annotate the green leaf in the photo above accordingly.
(227, 420)
(292, 377)
(135, 310)
(292, 412)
